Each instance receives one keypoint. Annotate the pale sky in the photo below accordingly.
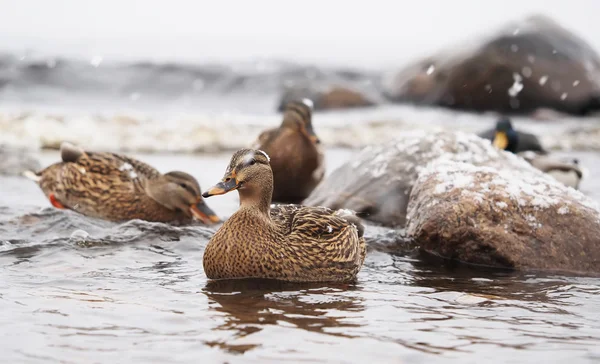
(360, 32)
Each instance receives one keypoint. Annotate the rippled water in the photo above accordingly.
(136, 292)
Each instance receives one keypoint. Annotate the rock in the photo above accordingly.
(326, 97)
(503, 216)
(15, 161)
(377, 182)
(529, 64)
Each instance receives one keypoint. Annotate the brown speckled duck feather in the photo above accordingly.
(285, 242)
(116, 187)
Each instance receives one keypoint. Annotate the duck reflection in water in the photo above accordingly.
(253, 304)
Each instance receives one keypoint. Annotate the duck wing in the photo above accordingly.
(85, 181)
(335, 236)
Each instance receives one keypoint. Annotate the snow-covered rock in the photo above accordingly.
(529, 64)
(461, 198)
(377, 182)
(504, 217)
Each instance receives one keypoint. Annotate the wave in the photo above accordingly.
(225, 131)
(27, 234)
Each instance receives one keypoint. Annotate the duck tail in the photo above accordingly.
(32, 176)
(70, 152)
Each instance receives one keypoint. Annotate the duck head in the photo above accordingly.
(297, 116)
(506, 138)
(180, 191)
(249, 172)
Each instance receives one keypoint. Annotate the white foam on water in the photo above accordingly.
(138, 132)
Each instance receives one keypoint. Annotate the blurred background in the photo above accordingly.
(369, 34)
(100, 67)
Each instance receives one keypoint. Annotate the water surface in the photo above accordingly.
(136, 292)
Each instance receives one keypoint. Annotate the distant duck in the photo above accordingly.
(505, 137)
(567, 173)
(283, 242)
(118, 188)
(297, 158)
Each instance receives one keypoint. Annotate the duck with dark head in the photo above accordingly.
(505, 137)
(283, 242)
(297, 159)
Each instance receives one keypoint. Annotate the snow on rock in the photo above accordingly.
(377, 181)
(503, 215)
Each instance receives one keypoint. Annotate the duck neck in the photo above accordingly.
(157, 190)
(257, 197)
(513, 141)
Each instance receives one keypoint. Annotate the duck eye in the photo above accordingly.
(252, 162)
(183, 185)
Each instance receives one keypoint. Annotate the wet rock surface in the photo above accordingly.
(529, 64)
(503, 217)
(14, 161)
(377, 182)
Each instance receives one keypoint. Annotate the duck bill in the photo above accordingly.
(202, 212)
(221, 188)
(500, 140)
(310, 133)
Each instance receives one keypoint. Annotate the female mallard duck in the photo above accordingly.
(505, 137)
(284, 242)
(117, 188)
(297, 160)
(567, 173)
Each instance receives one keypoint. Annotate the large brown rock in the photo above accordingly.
(529, 64)
(503, 217)
(377, 182)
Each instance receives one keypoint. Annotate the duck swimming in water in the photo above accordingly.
(297, 159)
(282, 242)
(117, 188)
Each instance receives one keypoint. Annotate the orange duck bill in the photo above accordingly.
(202, 212)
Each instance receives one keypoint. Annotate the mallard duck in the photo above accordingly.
(117, 188)
(567, 173)
(297, 160)
(505, 137)
(284, 242)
